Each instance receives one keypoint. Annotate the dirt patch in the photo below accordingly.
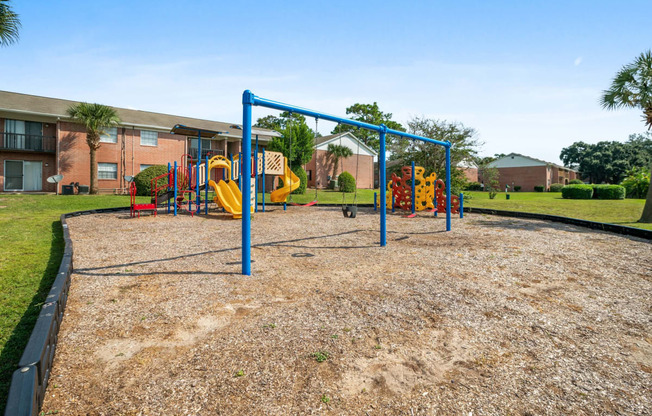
(499, 316)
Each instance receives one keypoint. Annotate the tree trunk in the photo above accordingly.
(93, 189)
(646, 217)
(335, 163)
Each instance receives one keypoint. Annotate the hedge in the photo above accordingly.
(346, 182)
(556, 187)
(517, 188)
(608, 191)
(577, 192)
(143, 180)
(473, 186)
(575, 182)
(539, 188)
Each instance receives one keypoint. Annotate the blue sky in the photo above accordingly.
(527, 75)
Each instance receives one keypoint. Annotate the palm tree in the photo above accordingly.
(9, 24)
(632, 88)
(337, 151)
(96, 118)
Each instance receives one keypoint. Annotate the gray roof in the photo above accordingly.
(56, 107)
(324, 139)
(538, 160)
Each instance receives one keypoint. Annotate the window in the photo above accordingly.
(148, 138)
(143, 167)
(111, 135)
(309, 174)
(107, 171)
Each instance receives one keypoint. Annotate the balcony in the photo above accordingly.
(27, 143)
(205, 152)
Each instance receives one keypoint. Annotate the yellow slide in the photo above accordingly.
(289, 180)
(228, 196)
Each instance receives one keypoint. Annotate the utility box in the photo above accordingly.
(67, 190)
(83, 189)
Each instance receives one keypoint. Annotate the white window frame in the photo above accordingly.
(99, 166)
(111, 135)
(149, 133)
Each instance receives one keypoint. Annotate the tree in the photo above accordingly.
(432, 157)
(336, 152)
(298, 140)
(9, 24)
(368, 113)
(95, 118)
(632, 88)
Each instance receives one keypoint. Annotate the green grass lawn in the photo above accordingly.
(30, 254)
(621, 212)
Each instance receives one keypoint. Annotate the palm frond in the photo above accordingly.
(9, 24)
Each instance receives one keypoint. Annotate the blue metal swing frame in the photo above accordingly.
(249, 100)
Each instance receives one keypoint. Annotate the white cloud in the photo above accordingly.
(578, 61)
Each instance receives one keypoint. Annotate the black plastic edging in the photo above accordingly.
(612, 228)
(29, 381)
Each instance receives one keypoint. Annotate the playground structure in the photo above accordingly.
(183, 183)
(428, 191)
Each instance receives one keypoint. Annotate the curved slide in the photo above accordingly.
(228, 195)
(290, 180)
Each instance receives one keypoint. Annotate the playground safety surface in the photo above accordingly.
(498, 316)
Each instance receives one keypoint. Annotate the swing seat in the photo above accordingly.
(350, 212)
(309, 204)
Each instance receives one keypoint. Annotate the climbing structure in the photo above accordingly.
(426, 190)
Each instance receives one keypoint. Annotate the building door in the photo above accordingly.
(32, 176)
(13, 175)
(23, 175)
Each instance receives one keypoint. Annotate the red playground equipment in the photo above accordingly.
(430, 192)
(171, 187)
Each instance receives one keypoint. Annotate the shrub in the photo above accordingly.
(346, 182)
(539, 188)
(577, 192)
(473, 186)
(303, 177)
(143, 180)
(608, 191)
(576, 182)
(517, 188)
(556, 187)
(637, 183)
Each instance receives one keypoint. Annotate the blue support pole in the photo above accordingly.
(285, 206)
(190, 186)
(245, 165)
(263, 180)
(435, 201)
(393, 201)
(448, 186)
(169, 167)
(461, 205)
(231, 158)
(375, 201)
(412, 195)
(241, 168)
(256, 173)
(383, 189)
(197, 166)
(206, 188)
(175, 188)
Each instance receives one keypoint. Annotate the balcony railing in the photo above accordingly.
(205, 152)
(27, 142)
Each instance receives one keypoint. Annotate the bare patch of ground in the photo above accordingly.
(499, 316)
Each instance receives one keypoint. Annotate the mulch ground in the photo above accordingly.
(499, 316)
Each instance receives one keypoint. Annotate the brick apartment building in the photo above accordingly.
(527, 172)
(320, 167)
(38, 140)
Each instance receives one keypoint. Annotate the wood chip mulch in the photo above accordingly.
(499, 316)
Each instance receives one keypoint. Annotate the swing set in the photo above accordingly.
(249, 100)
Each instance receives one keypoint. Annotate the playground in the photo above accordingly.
(497, 316)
